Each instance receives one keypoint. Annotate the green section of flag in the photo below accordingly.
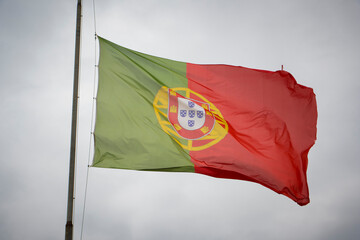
(127, 133)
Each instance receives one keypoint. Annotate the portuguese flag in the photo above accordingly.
(156, 114)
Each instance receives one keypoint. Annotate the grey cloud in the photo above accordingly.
(316, 41)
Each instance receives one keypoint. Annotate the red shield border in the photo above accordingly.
(173, 118)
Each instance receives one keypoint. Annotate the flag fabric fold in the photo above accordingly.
(224, 121)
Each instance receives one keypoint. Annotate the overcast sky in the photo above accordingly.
(317, 41)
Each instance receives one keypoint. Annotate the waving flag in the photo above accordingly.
(224, 121)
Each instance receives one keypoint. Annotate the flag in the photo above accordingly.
(156, 114)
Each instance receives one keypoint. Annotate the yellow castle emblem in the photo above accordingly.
(162, 109)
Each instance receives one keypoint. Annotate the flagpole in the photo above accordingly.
(71, 198)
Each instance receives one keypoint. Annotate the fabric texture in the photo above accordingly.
(224, 121)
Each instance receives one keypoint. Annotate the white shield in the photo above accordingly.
(191, 116)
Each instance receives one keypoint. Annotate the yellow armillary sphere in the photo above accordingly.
(161, 107)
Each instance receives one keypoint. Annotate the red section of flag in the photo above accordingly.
(272, 126)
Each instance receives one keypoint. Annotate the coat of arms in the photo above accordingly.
(190, 118)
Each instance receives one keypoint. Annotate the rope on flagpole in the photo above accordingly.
(92, 122)
(94, 17)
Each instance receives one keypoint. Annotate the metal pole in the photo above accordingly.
(71, 198)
